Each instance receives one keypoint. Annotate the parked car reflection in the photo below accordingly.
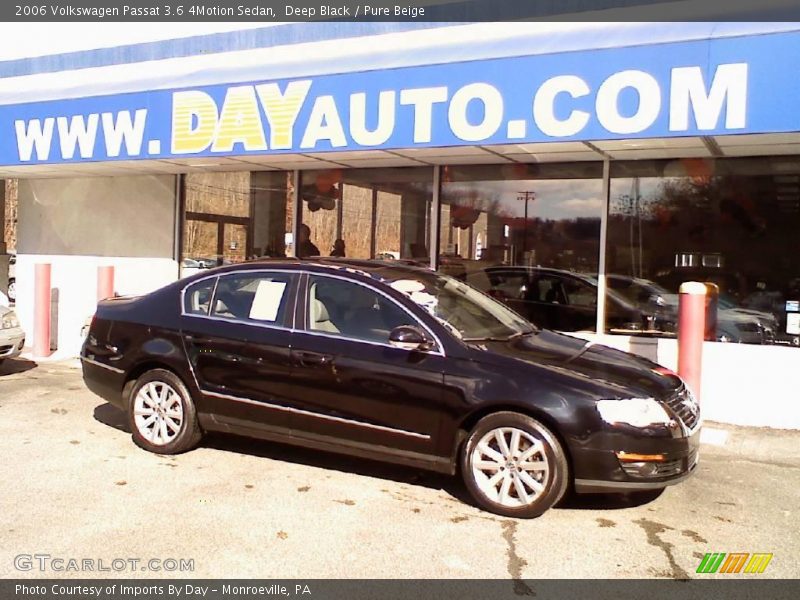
(192, 266)
(567, 301)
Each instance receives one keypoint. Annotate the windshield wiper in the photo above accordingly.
(507, 338)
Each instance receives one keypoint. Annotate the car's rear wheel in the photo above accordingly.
(162, 414)
(514, 466)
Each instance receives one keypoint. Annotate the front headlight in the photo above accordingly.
(638, 412)
(9, 321)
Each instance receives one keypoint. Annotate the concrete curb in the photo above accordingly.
(755, 443)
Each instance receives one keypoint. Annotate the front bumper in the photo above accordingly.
(599, 468)
(11, 342)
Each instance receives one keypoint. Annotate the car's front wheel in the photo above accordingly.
(162, 414)
(514, 466)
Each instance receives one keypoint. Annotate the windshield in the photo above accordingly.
(641, 292)
(469, 314)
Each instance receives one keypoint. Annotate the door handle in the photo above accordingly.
(312, 359)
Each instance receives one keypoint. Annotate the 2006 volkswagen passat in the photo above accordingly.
(394, 363)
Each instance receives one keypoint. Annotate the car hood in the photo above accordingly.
(621, 373)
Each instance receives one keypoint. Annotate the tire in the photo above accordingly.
(12, 290)
(543, 484)
(158, 402)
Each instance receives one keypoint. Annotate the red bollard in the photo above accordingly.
(41, 311)
(691, 331)
(105, 282)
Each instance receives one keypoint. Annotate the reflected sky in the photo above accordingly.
(555, 198)
(651, 189)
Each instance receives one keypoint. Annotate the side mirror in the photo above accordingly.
(409, 337)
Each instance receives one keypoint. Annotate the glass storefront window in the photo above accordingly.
(218, 193)
(366, 213)
(528, 235)
(230, 217)
(731, 222)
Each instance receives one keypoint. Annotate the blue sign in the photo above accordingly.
(710, 87)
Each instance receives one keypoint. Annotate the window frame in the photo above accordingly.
(288, 323)
(571, 279)
(186, 289)
(303, 325)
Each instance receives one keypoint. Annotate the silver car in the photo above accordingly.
(12, 338)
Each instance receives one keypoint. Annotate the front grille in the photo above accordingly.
(667, 468)
(672, 467)
(663, 469)
(685, 407)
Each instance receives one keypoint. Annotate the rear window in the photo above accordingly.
(259, 297)
(197, 298)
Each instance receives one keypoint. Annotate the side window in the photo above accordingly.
(514, 285)
(550, 290)
(580, 293)
(352, 310)
(257, 297)
(197, 297)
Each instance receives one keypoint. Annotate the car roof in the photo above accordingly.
(549, 270)
(375, 269)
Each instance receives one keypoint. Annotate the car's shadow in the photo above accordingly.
(13, 366)
(575, 501)
(113, 417)
(338, 462)
(110, 415)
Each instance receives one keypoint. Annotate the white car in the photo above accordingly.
(12, 338)
(12, 282)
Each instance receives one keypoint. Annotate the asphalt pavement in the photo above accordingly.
(74, 486)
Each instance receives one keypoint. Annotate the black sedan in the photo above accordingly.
(396, 363)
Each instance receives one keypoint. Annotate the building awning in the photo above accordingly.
(313, 49)
(458, 94)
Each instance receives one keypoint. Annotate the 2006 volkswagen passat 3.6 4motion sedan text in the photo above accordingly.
(395, 363)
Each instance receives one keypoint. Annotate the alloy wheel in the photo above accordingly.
(510, 467)
(158, 413)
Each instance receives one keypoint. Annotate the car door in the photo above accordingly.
(513, 288)
(541, 300)
(581, 304)
(237, 334)
(355, 388)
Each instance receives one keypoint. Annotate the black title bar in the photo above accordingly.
(315, 589)
(276, 11)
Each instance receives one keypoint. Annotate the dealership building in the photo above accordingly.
(614, 161)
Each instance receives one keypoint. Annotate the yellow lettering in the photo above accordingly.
(240, 122)
(194, 120)
(282, 110)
